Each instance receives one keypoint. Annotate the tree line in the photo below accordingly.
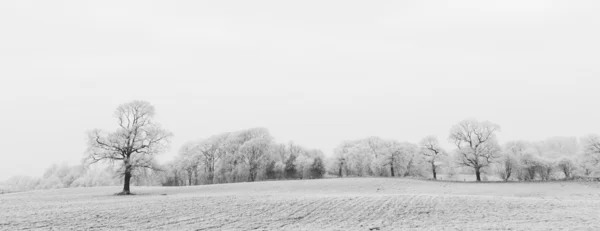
(247, 155)
(476, 151)
(129, 152)
(374, 156)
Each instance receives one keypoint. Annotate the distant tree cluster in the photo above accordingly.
(554, 158)
(477, 151)
(374, 156)
(247, 155)
(63, 176)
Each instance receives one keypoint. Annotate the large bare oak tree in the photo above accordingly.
(133, 145)
(476, 143)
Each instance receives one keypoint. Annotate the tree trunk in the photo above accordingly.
(340, 172)
(251, 174)
(392, 169)
(408, 167)
(126, 190)
(478, 174)
(233, 171)
(433, 170)
(211, 175)
(531, 172)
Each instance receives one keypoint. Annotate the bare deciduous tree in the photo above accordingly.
(377, 148)
(293, 152)
(190, 156)
(135, 143)
(476, 143)
(546, 167)
(410, 155)
(212, 150)
(398, 153)
(340, 157)
(591, 148)
(585, 164)
(253, 153)
(567, 166)
(529, 161)
(508, 165)
(433, 151)
(509, 159)
(394, 151)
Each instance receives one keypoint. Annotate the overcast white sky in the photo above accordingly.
(316, 72)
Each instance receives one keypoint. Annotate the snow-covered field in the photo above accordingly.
(328, 204)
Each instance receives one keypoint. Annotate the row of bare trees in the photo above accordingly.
(558, 157)
(476, 151)
(374, 156)
(247, 155)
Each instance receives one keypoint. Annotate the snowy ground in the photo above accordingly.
(329, 204)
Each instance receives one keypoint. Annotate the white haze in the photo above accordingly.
(315, 72)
